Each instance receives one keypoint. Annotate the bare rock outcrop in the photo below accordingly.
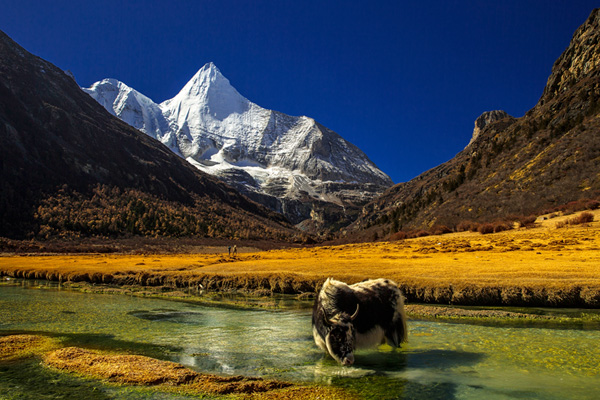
(579, 61)
(484, 120)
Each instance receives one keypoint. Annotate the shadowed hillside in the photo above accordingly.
(68, 167)
(513, 166)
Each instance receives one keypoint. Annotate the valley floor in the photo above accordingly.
(541, 266)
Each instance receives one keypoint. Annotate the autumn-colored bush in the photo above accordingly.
(485, 228)
(491, 227)
(501, 226)
(475, 227)
(440, 230)
(593, 205)
(526, 221)
(575, 206)
(465, 226)
(583, 218)
(420, 233)
(581, 205)
(401, 235)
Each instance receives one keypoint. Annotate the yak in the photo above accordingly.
(366, 314)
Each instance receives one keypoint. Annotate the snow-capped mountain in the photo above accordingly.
(134, 108)
(292, 164)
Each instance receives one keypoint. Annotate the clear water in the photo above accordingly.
(441, 361)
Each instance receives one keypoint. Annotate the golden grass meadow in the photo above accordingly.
(541, 266)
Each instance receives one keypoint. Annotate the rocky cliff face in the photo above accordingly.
(484, 120)
(580, 61)
(513, 166)
(292, 164)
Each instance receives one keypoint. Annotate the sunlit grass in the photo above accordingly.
(539, 266)
(22, 346)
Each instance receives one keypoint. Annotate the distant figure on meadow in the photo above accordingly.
(235, 249)
(229, 250)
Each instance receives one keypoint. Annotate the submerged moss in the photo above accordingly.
(27, 380)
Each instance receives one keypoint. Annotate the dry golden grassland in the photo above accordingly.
(544, 265)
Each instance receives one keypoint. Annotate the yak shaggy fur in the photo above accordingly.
(362, 315)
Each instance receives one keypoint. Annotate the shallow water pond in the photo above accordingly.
(441, 361)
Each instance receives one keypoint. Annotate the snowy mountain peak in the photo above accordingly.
(207, 77)
(210, 71)
(292, 164)
(106, 92)
(132, 107)
(208, 89)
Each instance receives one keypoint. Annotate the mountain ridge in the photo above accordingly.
(512, 166)
(292, 164)
(59, 147)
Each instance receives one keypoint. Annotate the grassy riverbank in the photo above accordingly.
(542, 266)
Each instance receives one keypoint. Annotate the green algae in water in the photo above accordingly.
(29, 380)
(441, 360)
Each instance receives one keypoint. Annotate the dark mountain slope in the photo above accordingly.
(546, 158)
(54, 137)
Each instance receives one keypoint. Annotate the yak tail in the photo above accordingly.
(398, 333)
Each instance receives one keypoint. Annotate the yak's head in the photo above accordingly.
(341, 336)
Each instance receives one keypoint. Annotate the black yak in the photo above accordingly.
(366, 314)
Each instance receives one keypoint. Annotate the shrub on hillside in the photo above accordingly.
(420, 233)
(486, 228)
(465, 226)
(475, 227)
(583, 218)
(592, 204)
(581, 205)
(526, 221)
(501, 226)
(561, 224)
(574, 206)
(400, 235)
(440, 230)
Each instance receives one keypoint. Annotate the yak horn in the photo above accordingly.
(353, 316)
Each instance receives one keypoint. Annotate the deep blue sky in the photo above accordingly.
(404, 81)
